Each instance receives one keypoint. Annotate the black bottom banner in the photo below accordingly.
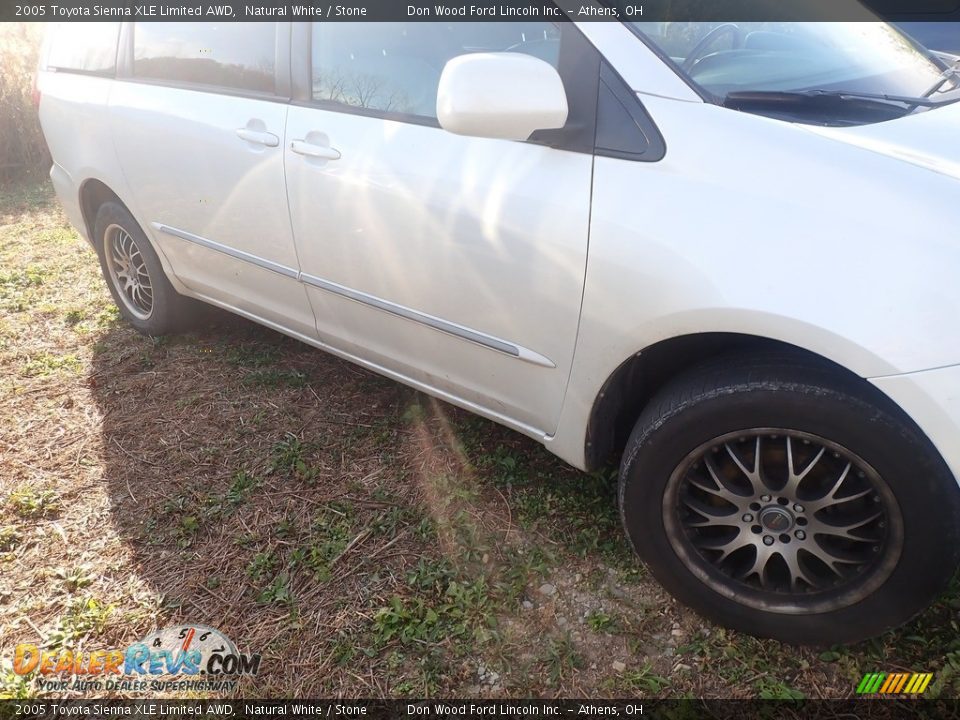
(377, 709)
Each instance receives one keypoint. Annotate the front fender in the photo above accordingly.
(754, 226)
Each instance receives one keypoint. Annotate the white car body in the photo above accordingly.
(514, 279)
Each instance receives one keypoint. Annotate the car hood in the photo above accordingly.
(926, 139)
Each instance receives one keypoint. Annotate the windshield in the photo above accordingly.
(789, 57)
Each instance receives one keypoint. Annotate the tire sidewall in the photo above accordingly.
(160, 320)
(916, 478)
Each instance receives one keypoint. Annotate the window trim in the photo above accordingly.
(86, 73)
(577, 55)
(331, 106)
(701, 92)
(281, 72)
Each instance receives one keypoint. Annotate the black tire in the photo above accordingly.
(168, 311)
(670, 466)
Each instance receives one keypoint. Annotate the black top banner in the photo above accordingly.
(480, 10)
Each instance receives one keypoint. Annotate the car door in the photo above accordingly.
(453, 262)
(198, 114)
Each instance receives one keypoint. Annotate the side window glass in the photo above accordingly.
(624, 129)
(238, 55)
(396, 67)
(84, 47)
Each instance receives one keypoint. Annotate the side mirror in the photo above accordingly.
(500, 95)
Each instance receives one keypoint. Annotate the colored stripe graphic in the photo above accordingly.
(891, 680)
(866, 685)
(894, 683)
(901, 682)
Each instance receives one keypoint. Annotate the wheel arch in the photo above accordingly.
(93, 194)
(633, 384)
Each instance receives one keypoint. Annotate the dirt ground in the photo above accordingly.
(367, 540)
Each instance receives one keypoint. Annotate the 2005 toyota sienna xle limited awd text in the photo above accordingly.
(726, 253)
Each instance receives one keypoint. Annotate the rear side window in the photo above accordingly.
(84, 47)
(396, 67)
(238, 56)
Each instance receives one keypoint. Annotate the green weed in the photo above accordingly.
(32, 503)
(288, 458)
(10, 538)
(278, 592)
(562, 659)
(262, 564)
(643, 681)
(463, 612)
(600, 622)
(45, 363)
(75, 578)
(31, 276)
(83, 617)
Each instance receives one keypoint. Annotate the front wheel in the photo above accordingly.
(786, 501)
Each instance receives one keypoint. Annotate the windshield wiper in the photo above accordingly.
(952, 71)
(796, 97)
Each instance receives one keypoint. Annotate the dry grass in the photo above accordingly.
(366, 540)
(23, 151)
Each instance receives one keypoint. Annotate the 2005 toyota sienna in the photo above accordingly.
(724, 254)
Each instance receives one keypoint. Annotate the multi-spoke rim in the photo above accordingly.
(128, 272)
(783, 521)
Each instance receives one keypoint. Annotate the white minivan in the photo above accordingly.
(725, 255)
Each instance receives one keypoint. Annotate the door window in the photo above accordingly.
(235, 55)
(395, 67)
(84, 47)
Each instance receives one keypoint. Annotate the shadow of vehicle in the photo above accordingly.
(286, 497)
(369, 541)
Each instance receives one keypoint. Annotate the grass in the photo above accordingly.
(367, 540)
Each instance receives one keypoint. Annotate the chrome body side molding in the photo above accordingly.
(445, 326)
(226, 250)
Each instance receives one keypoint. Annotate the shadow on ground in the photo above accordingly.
(368, 540)
(315, 511)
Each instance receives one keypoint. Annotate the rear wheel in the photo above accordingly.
(133, 272)
(782, 499)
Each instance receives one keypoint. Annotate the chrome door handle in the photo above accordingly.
(260, 137)
(302, 147)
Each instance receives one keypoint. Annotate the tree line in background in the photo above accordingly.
(23, 151)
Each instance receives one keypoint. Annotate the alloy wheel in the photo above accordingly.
(128, 272)
(783, 521)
